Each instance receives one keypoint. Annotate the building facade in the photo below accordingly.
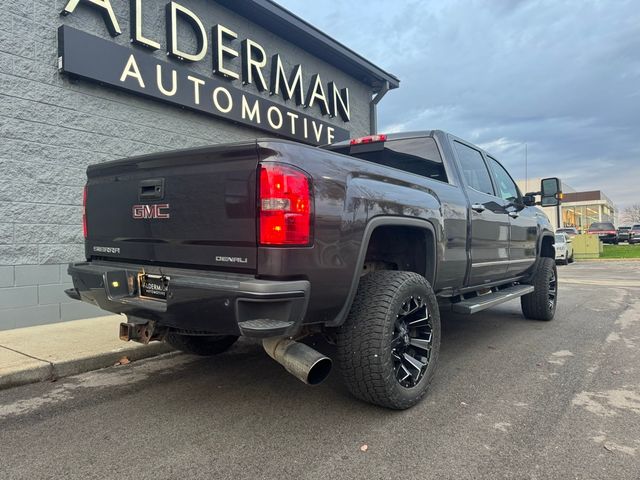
(86, 81)
(581, 209)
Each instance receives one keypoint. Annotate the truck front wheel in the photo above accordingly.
(388, 346)
(200, 344)
(541, 303)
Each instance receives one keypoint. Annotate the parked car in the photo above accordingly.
(623, 234)
(564, 248)
(359, 241)
(634, 235)
(605, 230)
(570, 231)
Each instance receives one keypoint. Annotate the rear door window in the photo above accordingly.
(473, 168)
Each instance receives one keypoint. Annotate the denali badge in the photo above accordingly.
(106, 250)
(231, 259)
(151, 211)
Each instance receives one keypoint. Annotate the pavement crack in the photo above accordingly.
(27, 355)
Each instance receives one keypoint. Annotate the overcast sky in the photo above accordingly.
(561, 76)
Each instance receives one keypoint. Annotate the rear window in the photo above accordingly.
(413, 155)
(601, 226)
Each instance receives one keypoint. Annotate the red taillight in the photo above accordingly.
(84, 212)
(369, 139)
(285, 206)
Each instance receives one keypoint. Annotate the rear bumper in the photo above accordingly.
(561, 255)
(608, 238)
(197, 301)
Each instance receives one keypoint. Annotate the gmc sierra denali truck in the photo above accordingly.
(364, 241)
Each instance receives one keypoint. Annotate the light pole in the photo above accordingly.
(526, 175)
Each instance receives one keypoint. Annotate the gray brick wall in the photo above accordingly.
(51, 128)
(34, 295)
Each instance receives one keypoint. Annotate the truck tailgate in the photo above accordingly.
(193, 207)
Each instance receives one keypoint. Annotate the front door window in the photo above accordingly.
(507, 188)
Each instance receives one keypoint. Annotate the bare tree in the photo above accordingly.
(631, 214)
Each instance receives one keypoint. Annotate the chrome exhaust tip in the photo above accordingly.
(300, 360)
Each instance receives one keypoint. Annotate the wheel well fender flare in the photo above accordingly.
(385, 221)
(545, 234)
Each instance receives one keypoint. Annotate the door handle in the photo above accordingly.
(514, 214)
(151, 189)
(478, 207)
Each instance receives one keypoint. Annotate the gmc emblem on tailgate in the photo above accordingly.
(151, 211)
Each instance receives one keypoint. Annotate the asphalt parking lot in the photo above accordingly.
(512, 399)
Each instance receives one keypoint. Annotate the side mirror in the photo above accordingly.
(551, 192)
(529, 199)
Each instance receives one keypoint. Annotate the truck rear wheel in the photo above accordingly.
(388, 346)
(203, 345)
(541, 303)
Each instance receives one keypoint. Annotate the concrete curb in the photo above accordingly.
(34, 374)
(50, 371)
(52, 351)
(635, 259)
(107, 359)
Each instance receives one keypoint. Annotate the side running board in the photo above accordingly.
(482, 302)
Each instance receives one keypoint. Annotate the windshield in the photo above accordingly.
(601, 226)
(559, 238)
(624, 229)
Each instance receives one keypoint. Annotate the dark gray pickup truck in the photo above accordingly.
(364, 242)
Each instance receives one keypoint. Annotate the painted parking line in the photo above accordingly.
(601, 283)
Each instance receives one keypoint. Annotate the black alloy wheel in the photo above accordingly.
(541, 303)
(412, 342)
(553, 291)
(388, 346)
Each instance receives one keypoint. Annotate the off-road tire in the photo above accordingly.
(202, 345)
(364, 341)
(536, 305)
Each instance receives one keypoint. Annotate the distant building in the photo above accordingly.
(578, 209)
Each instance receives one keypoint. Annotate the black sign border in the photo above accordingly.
(93, 58)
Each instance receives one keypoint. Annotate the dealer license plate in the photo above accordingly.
(154, 286)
